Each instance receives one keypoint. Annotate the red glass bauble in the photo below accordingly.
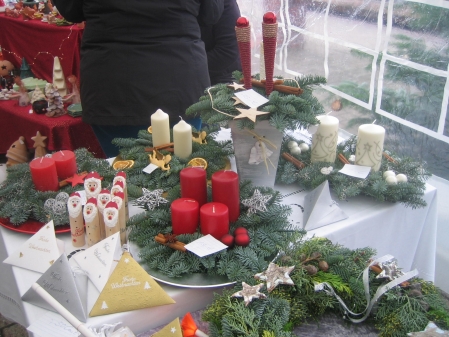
(240, 230)
(242, 240)
(228, 240)
(269, 17)
(242, 22)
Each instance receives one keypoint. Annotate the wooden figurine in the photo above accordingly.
(17, 152)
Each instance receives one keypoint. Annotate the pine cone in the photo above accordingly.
(323, 265)
(311, 270)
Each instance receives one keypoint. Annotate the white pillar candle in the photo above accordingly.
(370, 144)
(324, 140)
(182, 139)
(160, 126)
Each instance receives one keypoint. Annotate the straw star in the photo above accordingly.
(77, 179)
(151, 199)
(257, 202)
(431, 331)
(275, 275)
(250, 113)
(39, 140)
(236, 86)
(237, 100)
(250, 293)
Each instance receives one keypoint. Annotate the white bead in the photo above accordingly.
(304, 147)
(389, 174)
(401, 178)
(292, 144)
(295, 150)
(391, 180)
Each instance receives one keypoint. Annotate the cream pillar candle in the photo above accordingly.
(370, 144)
(160, 126)
(324, 140)
(182, 139)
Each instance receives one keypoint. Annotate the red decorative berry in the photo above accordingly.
(242, 240)
(240, 230)
(242, 22)
(269, 17)
(227, 239)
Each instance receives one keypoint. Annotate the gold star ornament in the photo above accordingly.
(275, 275)
(250, 113)
(250, 293)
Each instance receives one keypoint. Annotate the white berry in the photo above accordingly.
(401, 178)
(391, 180)
(292, 144)
(304, 147)
(389, 174)
(295, 150)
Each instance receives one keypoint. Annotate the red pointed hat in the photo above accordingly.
(121, 174)
(121, 195)
(75, 194)
(105, 191)
(111, 204)
(92, 201)
(119, 183)
(93, 175)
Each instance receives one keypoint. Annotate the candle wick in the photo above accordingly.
(42, 158)
(180, 117)
(329, 112)
(374, 121)
(62, 152)
(213, 209)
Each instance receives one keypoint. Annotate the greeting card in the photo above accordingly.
(129, 288)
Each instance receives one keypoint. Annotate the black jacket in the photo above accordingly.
(139, 56)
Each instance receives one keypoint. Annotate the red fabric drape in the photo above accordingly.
(39, 42)
(64, 133)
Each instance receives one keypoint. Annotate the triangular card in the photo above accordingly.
(99, 261)
(129, 288)
(172, 329)
(319, 208)
(39, 252)
(63, 285)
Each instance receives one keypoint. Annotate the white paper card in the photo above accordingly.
(356, 171)
(319, 208)
(99, 261)
(39, 252)
(251, 98)
(150, 168)
(205, 246)
(52, 325)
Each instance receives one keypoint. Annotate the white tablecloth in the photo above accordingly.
(407, 234)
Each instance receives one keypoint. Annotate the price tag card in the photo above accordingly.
(205, 246)
(357, 171)
(251, 98)
(150, 168)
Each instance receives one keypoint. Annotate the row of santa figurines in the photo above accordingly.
(104, 214)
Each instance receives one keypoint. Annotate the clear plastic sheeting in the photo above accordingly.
(384, 60)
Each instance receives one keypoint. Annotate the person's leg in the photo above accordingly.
(106, 133)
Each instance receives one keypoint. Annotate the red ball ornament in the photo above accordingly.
(242, 22)
(240, 230)
(242, 240)
(269, 17)
(227, 239)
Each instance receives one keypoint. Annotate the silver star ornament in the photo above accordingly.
(257, 202)
(151, 199)
(250, 293)
(275, 275)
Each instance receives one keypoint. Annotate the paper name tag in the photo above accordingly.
(357, 171)
(205, 246)
(150, 168)
(251, 98)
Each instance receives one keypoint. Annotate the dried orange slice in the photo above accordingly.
(150, 129)
(122, 164)
(198, 162)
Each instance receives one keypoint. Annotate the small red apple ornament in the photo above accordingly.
(227, 239)
(242, 240)
(240, 230)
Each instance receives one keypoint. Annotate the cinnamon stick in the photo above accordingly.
(64, 182)
(160, 238)
(299, 164)
(343, 159)
(167, 147)
(278, 87)
(390, 159)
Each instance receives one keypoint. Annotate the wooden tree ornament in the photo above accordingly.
(39, 145)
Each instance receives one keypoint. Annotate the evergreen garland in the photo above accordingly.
(400, 310)
(344, 186)
(268, 231)
(287, 112)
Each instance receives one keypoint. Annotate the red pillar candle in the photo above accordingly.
(65, 163)
(43, 174)
(214, 219)
(225, 189)
(194, 184)
(185, 214)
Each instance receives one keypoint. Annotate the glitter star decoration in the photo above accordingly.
(390, 270)
(275, 275)
(151, 199)
(250, 113)
(250, 293)
(236, 86)
(257, 202)
(431, 331)
(77, 179)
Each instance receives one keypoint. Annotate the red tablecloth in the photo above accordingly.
(39, 42)
(64, 133)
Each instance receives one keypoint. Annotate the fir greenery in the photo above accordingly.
(286, 111)
(409, 193)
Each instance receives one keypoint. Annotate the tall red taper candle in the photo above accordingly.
(269, 34)
(225, 189)
(194, 184)
(243, 33)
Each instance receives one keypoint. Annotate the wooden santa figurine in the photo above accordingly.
(92, 185)
(92, 221)
(74, 207)
(102, 199)
(121, 176)
(119, 199)
(110, 216)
